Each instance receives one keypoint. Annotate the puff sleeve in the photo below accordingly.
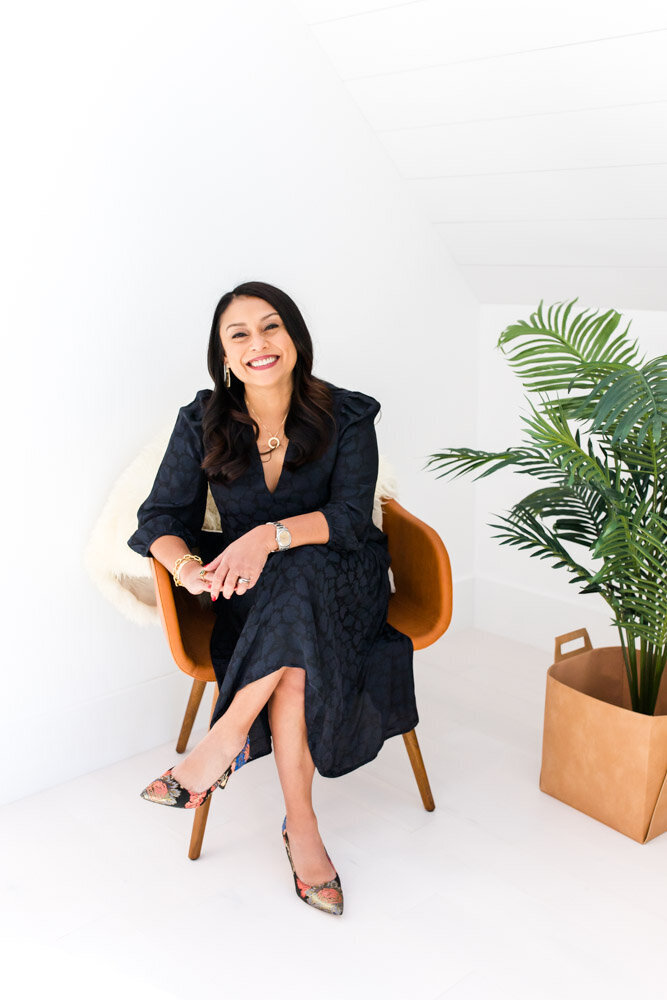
(177, 502)
(352, 487)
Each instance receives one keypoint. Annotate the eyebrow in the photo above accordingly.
(245, 324)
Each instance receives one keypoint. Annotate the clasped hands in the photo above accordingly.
(242, 560)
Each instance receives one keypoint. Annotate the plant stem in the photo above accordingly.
(659, 667)
(630, 660)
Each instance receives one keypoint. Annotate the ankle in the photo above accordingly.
(302, 823)
(225, 737)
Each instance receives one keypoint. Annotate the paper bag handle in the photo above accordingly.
(579, 633)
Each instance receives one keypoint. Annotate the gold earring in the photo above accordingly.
(228, 379)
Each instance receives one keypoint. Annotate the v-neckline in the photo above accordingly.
(261, 464)
(261, 469)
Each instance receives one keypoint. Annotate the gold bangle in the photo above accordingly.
(177, 566)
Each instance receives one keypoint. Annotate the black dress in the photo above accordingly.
(319, 607)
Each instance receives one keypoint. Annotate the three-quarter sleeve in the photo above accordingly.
(352, 489)
(177, 502)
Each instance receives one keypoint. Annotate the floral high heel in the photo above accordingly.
(167, 791)
(327, 896)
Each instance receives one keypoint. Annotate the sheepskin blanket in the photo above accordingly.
(123, 576)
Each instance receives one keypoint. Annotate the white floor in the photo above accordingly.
(501, 892)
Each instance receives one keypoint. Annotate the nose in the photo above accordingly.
(258, 340)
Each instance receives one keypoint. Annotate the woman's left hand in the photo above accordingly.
(244, 558)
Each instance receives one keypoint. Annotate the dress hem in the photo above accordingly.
(394, 732)
(399, 731)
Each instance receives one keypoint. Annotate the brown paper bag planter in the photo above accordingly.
(597, 755)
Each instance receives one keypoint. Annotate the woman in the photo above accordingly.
(301, 648)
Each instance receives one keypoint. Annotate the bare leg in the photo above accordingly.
(215, 752)
(296, 770)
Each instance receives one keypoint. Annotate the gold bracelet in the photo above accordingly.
(177, 566)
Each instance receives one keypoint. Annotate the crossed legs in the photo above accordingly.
(284, 690)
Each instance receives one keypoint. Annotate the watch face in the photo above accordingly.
(284, 537)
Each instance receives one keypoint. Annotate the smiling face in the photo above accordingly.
(256, 344)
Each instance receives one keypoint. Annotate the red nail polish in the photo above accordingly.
(213, 598)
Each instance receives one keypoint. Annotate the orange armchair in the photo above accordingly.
(420, 608)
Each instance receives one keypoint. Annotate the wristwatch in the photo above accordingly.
(283, 537)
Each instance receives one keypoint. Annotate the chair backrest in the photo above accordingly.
(187, 624)
(421, 606)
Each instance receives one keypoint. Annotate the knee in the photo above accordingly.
(292, 683)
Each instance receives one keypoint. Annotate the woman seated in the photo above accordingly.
(302, 651)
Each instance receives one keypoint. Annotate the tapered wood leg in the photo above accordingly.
(198, 829)
(194, 702)
(415, 755)
(201, 812)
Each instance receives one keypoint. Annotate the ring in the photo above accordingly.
(202, 573)
(243, 579)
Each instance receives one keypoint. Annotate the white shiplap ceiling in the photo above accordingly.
(533, 135)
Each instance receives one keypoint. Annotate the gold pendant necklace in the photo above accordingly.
(274, 441)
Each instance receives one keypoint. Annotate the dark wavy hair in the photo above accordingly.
(229, 431)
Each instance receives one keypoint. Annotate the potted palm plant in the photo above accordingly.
(596, 440)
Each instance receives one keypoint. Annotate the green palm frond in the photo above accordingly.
(554, 436)
(626, 400)
(523, 530)
(457, 462)
(638, 541)
(578, 513)
(547, 352)
(641, 469)
(634, 554)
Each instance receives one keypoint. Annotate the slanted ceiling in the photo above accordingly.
(532, 134)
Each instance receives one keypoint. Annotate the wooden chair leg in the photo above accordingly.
(201, 812)
(194, 702)
(198, 829)
(414, 753)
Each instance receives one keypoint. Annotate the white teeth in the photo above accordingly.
(263, 362)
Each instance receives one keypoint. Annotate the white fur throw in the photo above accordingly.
(121, 574)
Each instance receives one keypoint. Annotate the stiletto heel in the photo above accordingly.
(166, 791)
(327, 896)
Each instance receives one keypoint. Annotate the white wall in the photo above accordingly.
(515, 595)
(162, 154)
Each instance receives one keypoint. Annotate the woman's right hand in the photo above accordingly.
(190, 578)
